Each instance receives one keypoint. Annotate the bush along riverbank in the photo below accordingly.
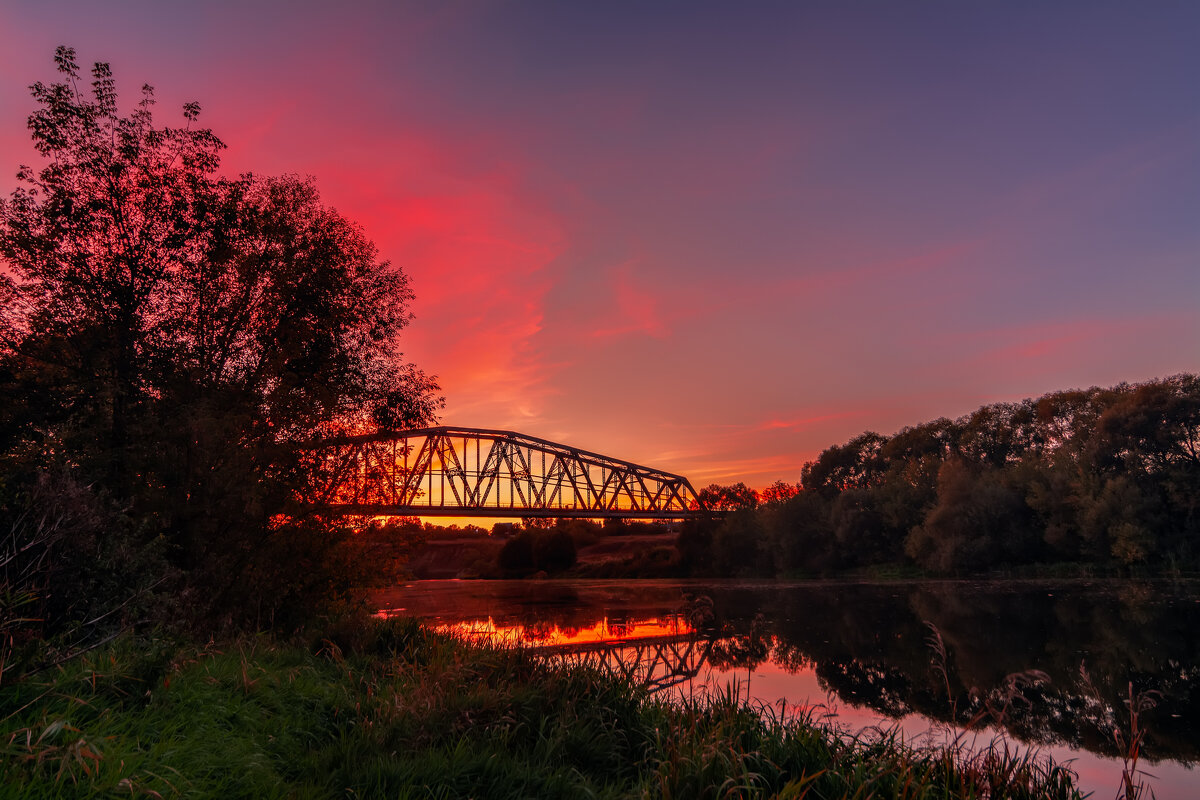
(391, 709)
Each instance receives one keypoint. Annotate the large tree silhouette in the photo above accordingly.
(169, 334)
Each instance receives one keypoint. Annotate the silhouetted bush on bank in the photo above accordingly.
(547, 550)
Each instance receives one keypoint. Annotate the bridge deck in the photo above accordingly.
(380, 510)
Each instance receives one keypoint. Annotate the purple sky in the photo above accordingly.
(714, 237)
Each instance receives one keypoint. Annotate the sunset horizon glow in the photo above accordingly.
(709, 242)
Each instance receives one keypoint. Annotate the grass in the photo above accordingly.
(391, 709)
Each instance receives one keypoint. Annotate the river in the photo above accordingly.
(1052, 665)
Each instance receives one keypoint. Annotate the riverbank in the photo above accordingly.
(440, 554)
(391, 709)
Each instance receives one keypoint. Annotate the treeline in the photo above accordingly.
(404, 548)
(1102, 476)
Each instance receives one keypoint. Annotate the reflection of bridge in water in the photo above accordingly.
(665, 651)
(657, 662)
(488, 473)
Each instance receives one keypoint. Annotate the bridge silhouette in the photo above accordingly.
(655, 663)
(464, 472)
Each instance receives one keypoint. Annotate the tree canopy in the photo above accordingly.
(1100, 476)
(168, 334)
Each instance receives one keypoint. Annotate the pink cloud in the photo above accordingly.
(755, 471)
(479, 255)
(802, 423)
(1039, 343)
(756, 452)
(636, 308)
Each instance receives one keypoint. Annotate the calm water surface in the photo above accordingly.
(1051, 665)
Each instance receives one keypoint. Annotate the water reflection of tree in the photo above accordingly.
(743, 650)
(868, 644)
(539, 631)
(621, 626)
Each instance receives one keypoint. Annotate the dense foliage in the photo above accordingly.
(168, 336)
(537, 550)
(1098, 476)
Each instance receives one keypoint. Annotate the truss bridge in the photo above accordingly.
(464, 472)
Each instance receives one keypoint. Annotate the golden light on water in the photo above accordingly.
(606, 630)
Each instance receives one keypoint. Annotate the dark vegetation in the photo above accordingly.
(168, 337)
(1103, 478)
(538, 548)
(392, 710)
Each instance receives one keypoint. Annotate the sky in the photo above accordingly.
(714, 238)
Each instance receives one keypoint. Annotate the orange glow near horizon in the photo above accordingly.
(606, 630)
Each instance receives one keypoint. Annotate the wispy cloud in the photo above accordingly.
(480, 257)
(804, 423)
(1030, 345)
(636, 308)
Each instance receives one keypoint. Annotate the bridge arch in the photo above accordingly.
(462, 472)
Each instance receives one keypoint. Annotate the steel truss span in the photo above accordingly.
(465, 472)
